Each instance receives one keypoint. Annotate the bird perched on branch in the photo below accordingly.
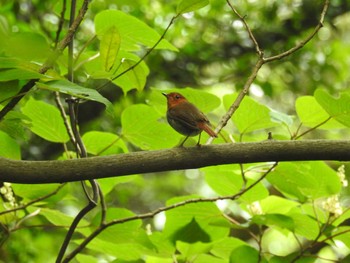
(186, 118)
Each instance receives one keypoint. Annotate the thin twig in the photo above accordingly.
(104, 226)
(251, 35)
(260, 62)
(306, 40)
(312, 129)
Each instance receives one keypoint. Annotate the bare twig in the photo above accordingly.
(296, 137)
(104, 226)
(251, 35)
(260, 62)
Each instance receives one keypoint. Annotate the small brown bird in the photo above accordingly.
(186, 118)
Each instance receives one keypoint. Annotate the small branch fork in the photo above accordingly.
(261, 61)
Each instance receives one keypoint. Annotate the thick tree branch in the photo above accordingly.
(35, 172)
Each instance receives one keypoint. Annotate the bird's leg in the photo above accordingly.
(199, 140)
(182, 144)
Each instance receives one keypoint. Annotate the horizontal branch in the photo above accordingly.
(35, 172)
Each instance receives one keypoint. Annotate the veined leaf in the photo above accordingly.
(338, 108)
(70, 88)
(109, 47)
(133, 32)
(46, 121)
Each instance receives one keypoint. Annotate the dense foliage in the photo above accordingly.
(109, 83)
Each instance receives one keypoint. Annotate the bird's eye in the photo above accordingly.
(177, 97)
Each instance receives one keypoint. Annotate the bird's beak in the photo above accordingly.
(166, 95)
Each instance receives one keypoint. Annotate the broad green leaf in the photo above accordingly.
(305, 225)
(205, 258)
(133, 32)
(276, 204)
(70, 88)
(109, 47)
(9, 148)
(129, 251)
(14, 127)
(18, 74)
(103, 143)
(338, 108)
(245, 254)
(135, 78)
(191, 233)
(312, 114)
(230, 182)
(190, 250)
(46, 121)
(280, 242)
(141, 127)
(28, 46)
(186, 6)
(120, 233)
(279, 220)
(305, 180)
(224, 247)
(57, 217)
(204, 213)
(250, 116)
(34, 191)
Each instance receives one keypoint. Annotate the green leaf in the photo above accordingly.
(224, 247)
(18, 74)
(186, 6)
(338, 108)
(9, 148)
(312, 114)
(279, 220)
(276, 204)
(109, 47)
(46, 121)
(245, 254)
(250, 116)
(57, 218)
(28, 46)
(188, 250)
(231, 182)
(191, 233)
(135, 78)
(133, 32)
(305, 225)
(70, 88)
(305, 180)
(204, 213)
(34, 191)
(141, 127)
(103, 143)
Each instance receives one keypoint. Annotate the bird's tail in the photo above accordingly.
(205, 127)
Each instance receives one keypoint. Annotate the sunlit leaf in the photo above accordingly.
(338, 108)
(46, 121)
(109, 47)
(311, 114)
(9, 148)
(305, 180)
(70, 88)
(133, 31)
